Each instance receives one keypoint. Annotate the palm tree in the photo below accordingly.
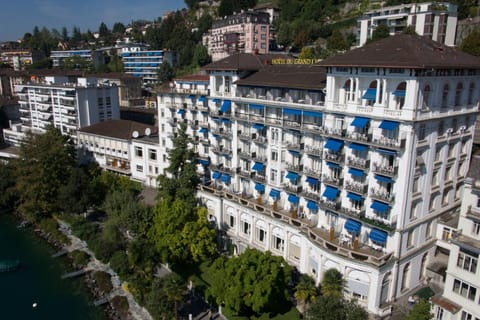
(332, 283)
(305, 291)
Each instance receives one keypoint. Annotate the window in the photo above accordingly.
(438, 153)
(467, 262)
(428, 230)
(445, 93)
(427, 93)
(164, 142)
(476, 228)
(231, 220)
(273, 175)
(441, 128)
(152, 154)
(451, 150)
(445, 197)
(274, 155)
(466, 316)
(448, 173)
(261, 235)
(458, 94)
(108, 100)
(435, 178)
(416, 185)
(439, 314)
(139, 152)
(464, 289)
(139, 168)
(278, 243)
(405, 277)
(100, 101)
(246, 227)
(421, 132)
(399, 95)
(471, 90)
(163, 127)
(410, 239)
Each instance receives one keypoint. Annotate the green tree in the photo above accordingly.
(118, 28)
(285, 35)
(165, 72)
(381, 32)
(307, 53)
(44, 164)
(175, 288)
(332, 283)
(200, 56)
(119, 263)
(76, 195)
(7, 184)
(421, 311)
(252, 283)
(471, 43)
(305, 291)
(354, 311)
(326, 307)
(337, 42)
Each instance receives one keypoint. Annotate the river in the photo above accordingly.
(39, 281)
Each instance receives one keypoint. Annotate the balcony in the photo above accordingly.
(339, 133)
(292, 124)
(334, 157)
(273, 121)
(258, 177)
(241, 115)
(193, 124)
(225, 133)
(313, 150)
(389, 142)
(359, 137)
(330, 205)
(243, 173)
(382, 195)
(311, 195)
(312, 172)
(355, 213)
(331, 180)
(385, 169)
(356, 187)
(220, 167)
(173, 122)
(291, 188)
(202, 107)
(294, 167)
(259, 139)
(381, 223)
(359, 163)
(246, 154)
(243, 135)
(297, 146)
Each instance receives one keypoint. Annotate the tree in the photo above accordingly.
(200, 56)
(252, 283)
(421, 311)
(118, 28)
(354, 311)
(307, 53)
(7, 184)
(381, 32)
(326, 307)
(337, 42)
(76, 195)
(165, 72)
(119, 263)
(305, 291)
(471, 43)
(332, 283)
(44, 164)
(175, 288)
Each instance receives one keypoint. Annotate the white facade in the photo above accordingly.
(145, 63)
(461, 295)
(94, 56)
(66, 106)
(438, 20)
(355, 182)
(146, 157)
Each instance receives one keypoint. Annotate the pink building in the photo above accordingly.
(246, 32)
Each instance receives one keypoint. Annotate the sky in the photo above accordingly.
(20, 16)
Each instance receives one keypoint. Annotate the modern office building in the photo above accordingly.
(461, 291)
(96, 57)
(437, 20)
(65, 105)
(347, 164)
(146, 63)
(246, 32)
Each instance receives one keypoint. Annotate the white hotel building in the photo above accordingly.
(65, 105)
(347, 164)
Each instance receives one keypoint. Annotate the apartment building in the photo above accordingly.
(437, 20)
(145, 63)
(96, 57)
(461, 293)
(246, 32)
(18, 59)
(347, 164)
(65, 105)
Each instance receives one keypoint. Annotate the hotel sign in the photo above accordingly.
(295, 61)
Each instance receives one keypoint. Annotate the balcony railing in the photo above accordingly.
(244, 153)
(358, 162)
(356, 187)
(292, 188)
(294, 146)
(312, 172)
(361, 137)
(294, 167)
(334, 157)
(330, 205)
(258, 177)
(328, 179)
(382, 195)
(310, 194)
(385, 169)
(356, 213)
(389, 142)
(243, 135)
(243, 173)
(258, 157)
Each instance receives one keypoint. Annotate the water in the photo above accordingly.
(39, 281)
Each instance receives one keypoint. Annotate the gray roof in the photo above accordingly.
(405, 51)
(119, 129)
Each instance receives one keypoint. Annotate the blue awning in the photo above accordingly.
(330, 193)
(370, 94)
(360, 122)
(181, 111)
(203, 162)
(387, 152)
(225, 120)
(312, 205)
(258, 126)
(358, 147)
(191, 96)
(256, 106)
(312, 114)
(294, 153)
(354, 196)
(258, 166)
(389, 125)
(202, 99)
(378, 236)
(379, 206)
(275, 194)
(216, 175)
(334, 144)
(353, 226)
(216, 100)
(260, 187)
(333, 165)
(215, 119)
(356, 172)
(292, 111)
(383, 178)
(225, 105)
(293, 198)
(311, 180)
(399, 93)
(292, 176)
(226, 178)
(216, 136)
(203, 130)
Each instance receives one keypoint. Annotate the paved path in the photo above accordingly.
(136, 311)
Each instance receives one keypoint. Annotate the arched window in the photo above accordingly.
(399, 95)
(405, 277)
(471, 90)
(371, 93)
(423, 266)
(385, 288)
(427, 94)
(347, 90)
(458, 94)
(445, 93)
